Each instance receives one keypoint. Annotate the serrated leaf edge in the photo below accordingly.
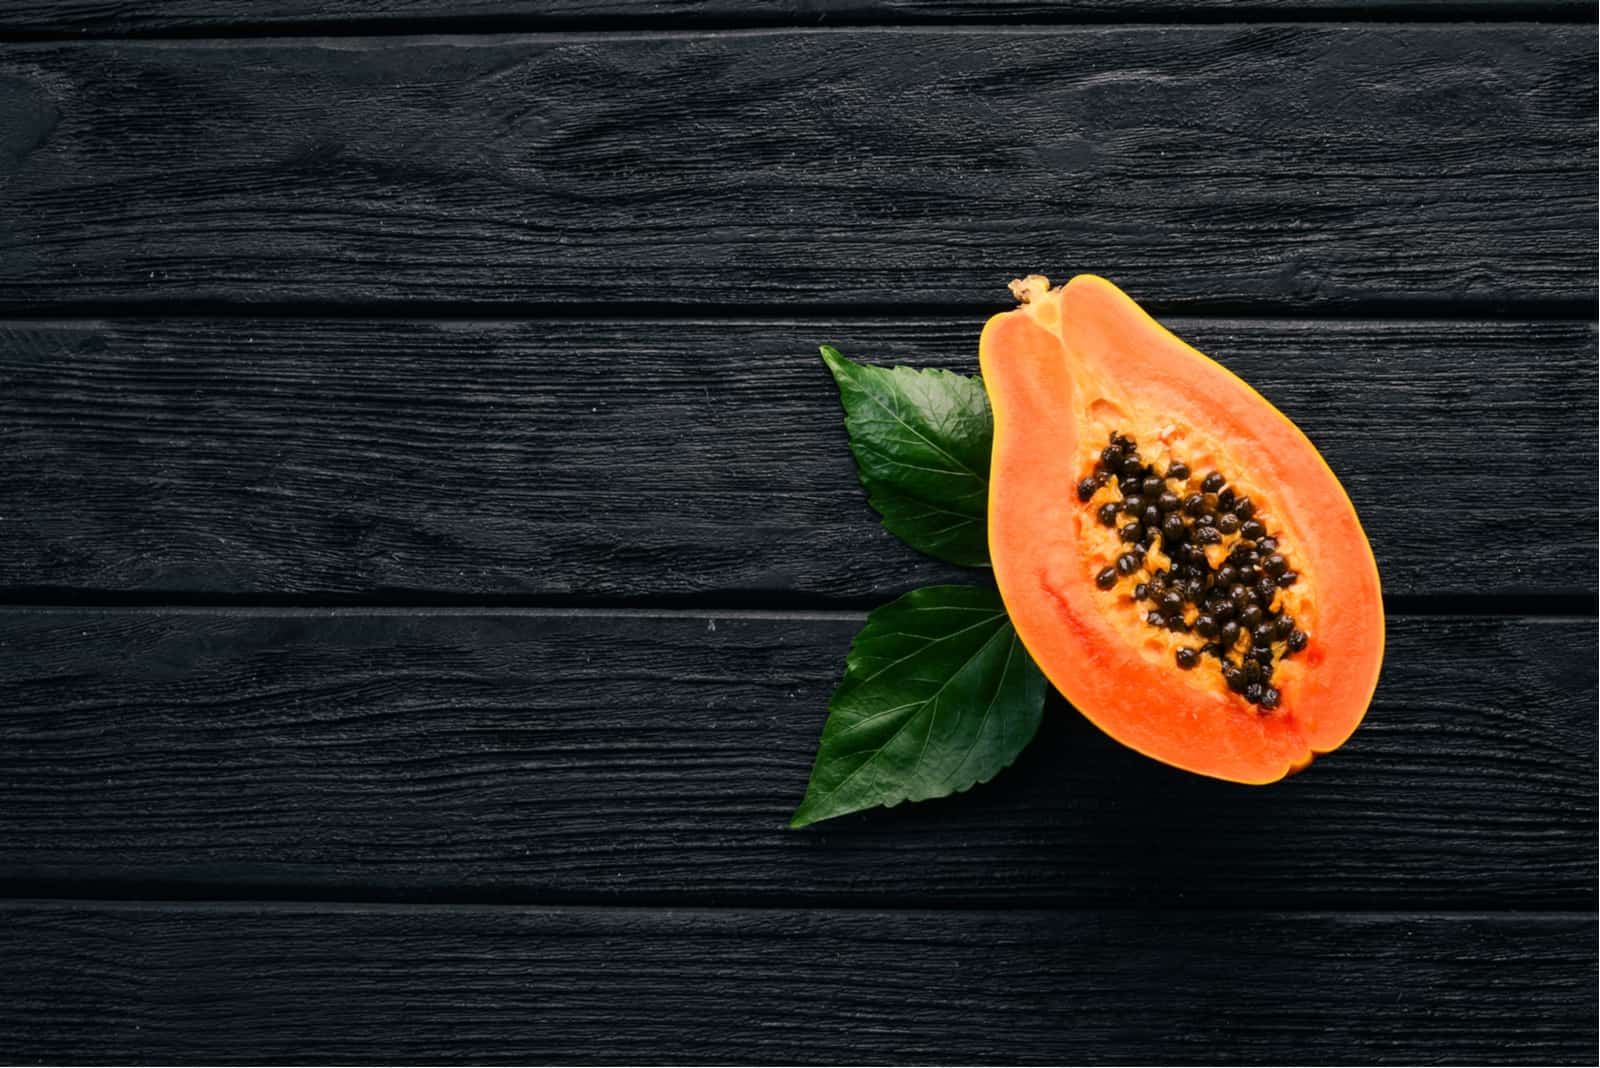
(842, 368)
(852, 659)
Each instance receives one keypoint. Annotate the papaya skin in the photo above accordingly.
(1064, 369)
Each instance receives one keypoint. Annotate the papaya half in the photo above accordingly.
(1175, 554)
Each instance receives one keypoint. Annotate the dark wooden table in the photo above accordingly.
(427, 541)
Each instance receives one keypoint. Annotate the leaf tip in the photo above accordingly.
(835, 359)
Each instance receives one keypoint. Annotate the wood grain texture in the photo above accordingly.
(155, 16)
(1296, 166)
(674, 458)
(247, 984)
(650, 758)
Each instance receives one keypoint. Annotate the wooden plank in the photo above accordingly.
(1293, 166)
(671, 458)
(156, 16)
(656, 757)
(237, 983)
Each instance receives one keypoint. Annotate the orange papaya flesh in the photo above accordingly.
(1104, 422)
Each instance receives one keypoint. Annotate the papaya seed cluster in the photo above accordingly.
(1223, 568)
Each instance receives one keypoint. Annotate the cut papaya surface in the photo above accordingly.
(1175, 554)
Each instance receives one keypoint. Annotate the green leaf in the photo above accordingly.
(921, 441)
(938, 694)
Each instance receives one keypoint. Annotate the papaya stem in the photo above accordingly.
(1029, 289)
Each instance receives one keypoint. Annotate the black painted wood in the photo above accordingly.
(156, 16)
(1293, 166)
(654, 758)
(243, 984)
(674, 458)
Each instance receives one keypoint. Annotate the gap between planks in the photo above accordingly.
(1402, 13)
(1559, 310)
(310, 906)
(1555, 607)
